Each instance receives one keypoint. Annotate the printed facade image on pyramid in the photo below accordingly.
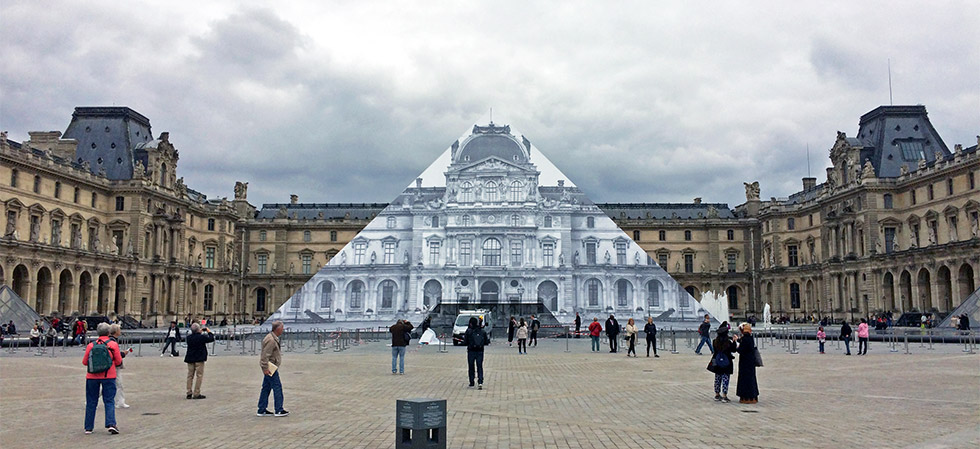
(490, 224)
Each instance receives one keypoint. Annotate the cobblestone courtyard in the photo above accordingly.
(546, 399)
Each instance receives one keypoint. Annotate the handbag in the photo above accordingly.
(758, 357)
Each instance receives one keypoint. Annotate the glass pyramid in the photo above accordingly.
(491, 224)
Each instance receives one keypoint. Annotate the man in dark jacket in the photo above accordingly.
(578, 324)
(398, 344)
(197, 354)
(845, 334)
(535, 325)
(612, 330)
(651, 331)
(704, 330)
(475, 339)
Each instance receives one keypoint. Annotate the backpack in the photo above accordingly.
(721, 360)
(477, 339)
(99, 358)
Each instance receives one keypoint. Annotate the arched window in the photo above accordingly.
(432, 293)
(466, 192)
(516, 192)
(491, 252)
(593, 289)
(208, 298)
(326, 295)
(492, 195)
(387, 292)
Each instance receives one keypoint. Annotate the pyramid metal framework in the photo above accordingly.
(491, 223)
(13, 308)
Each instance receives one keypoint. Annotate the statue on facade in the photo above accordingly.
(282, 213)
(408, 258)
(343, 258)
(677, 267)
(932, 236)
(832, 177)
(636, 258)
(96, 241)
(904, 169)
(975, 226)
(561, 259)
(868, 171)
(751, 191)
(703, 268)
(291, 267)
(180, 187)
(76, 238)
(56, 235)
(607, 257)
(374, 257)
(35, 230)
(575, 258)
(139, 170)
(241, 190)
(11, 227)
(455, 148)
(721, 266)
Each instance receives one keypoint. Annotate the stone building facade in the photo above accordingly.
(97, 221)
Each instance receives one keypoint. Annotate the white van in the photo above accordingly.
(463, 321)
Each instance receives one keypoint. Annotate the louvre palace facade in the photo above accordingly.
(97, 221)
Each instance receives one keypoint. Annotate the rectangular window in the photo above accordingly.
(516, 253)
(912, 150)
(391, 222)
(387, 294)
(811, 219)
(731, 234)
(263, 262)
(389, 251)
(590, 250)
(913, 196)
(590, 222)
(548, 252)
(662, 260)
(333, 236)
(117, 238)
(209, 257)
(434, 252)
(621, 253)
(359, 249)
(262, 236)
(794, 295)
(689, 263)
(307, 236)
(972, 180)
(732, 259)
(57, 190)
(75, 195)
(37, 184)
(949, 186)
(888, 202)
(792, 251)
(930, 192)
(91, 238)
(791, 223)
(95, 197)
(547, 221)
(208, 298)
(120, 203)
(889, 240)
(76, 231)
(662, 236)
(307, 263)
(35, 224)
(687, 235)
(465, 252)
(435, 221)
(210, 224)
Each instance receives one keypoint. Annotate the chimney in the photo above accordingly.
(809, 183)
(418, 183)
(561, 183)
(293, 199)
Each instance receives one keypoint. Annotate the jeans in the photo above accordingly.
(847, 345)
(80, 339)
(613, 343)
(172, 342)
(705, 339)
(652, 342)
(475, 359)
(522, 345)
(632, 348)
(821, 347)
(862, 345)
(534, 338)
(595, 343)
(398, 355)
(271, 383)
(108, 390)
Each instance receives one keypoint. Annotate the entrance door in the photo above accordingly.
(489, 292)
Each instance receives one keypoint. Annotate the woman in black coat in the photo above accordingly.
(511, 327)
(724, 348)
(747, 388)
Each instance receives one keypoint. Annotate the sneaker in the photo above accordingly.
(656, 356)
(717, 398)
(190, 396)
(113, 430)
(264, 413)
(88, 432)
(725, 399)
(471, 386)
(200, 396)
(479, 387)
(281, 413)
(162, 354)
(122, 406)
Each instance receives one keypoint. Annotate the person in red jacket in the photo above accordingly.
(595, 330)
(104, 381)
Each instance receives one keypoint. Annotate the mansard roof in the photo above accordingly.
(491, 141)
(892, 136)
(107, 137)
(330, 211)
(661, 211)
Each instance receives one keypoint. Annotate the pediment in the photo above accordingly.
(493, 164)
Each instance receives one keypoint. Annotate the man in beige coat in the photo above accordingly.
(269, 361)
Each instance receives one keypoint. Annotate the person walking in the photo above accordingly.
(704, 330)
(475, 339)
(631, 332)
(197, 354)
(170, 339)
(521, 334)
(650, 329)
(845, 334)
(535, 325)
(399, 342)
(115, 333)
(101, 357)
(511, 327)
(612, 331)
(747, 388)
(270, 361)
(595, 330)
(821, 338)
(578, 324)
(723, 362)
(863, 335)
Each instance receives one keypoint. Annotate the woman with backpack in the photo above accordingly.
(722, 362)
(102, 356)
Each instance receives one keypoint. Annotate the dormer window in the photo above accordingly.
(912, 150)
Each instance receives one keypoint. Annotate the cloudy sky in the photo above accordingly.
(348, 101)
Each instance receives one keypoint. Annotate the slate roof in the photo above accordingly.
(331, 211)
(107, 138)
(482, 146)
(683, 211)
(882, 131)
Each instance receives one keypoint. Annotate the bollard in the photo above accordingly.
(673, 341)
(243, 345)
(690, 344)
(906, 336)
(253, 346)
(319, 343)
(930, 341)
(967, 348)
(894, 342)
(568, 333)
(794, 338)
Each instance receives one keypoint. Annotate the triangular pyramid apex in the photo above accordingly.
(491, 129)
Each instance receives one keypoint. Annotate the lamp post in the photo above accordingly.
(520, 297)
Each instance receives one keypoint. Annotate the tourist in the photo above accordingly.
(101, 357)
(954, 321)
(270, 361)
(578, 324)
(511, 327)
(631, 332)
(965, 322)
(521, 337)
(863, 334)
(11, 328)
(197, 354)
(922, 320)
(115, 333)
(748, 387)
(651, 331)
(535, 326)
(51, 336)
(704, 330)
(475, 339)
(81, 328)
(821, 338)
(170, 339)
(224, 322)
(35, 336)
(722, 362)
(399, 342)
(612, 331)
(595, 330)
(845, 334)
